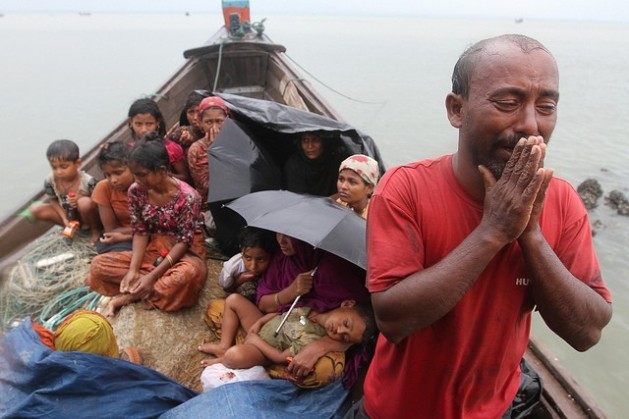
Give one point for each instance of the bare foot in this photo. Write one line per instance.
(213, 349)
(115, 304)
(211, 361)
(94, 235)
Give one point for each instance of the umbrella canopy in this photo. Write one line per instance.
(238, 165)
(316, 220)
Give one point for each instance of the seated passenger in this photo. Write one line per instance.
(241, 273)
(212, 114)
(358, 176)
(349, 324)
(110, 195)
(290, 275)
(165, 216)
(145, 117)
(188, 130)
(313, 168)
(68, 190)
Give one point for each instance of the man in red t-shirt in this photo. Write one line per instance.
(463, 247)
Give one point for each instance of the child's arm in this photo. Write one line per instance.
(57, 208)
(304, 361)
(113, 233)
(270, 352)
(255, 328)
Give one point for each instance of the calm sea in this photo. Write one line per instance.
(71, 76)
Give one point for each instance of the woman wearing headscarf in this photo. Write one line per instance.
(357, 178)
(323, 281)
(313, 168)
(86, 331)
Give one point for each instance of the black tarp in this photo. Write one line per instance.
(250, 151)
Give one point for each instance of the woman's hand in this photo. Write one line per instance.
(143, 287)
(128, 281)
(186, 137)
(302, 284)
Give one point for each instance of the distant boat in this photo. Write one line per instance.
(519, 20)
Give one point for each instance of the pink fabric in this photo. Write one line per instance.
(175, 152)
(212, 102)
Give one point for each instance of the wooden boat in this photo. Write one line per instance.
(256, 67)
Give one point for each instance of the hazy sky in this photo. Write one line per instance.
(600, 10)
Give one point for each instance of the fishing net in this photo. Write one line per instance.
(47, 282)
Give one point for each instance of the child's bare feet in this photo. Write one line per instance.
(211, 361)
(94, 235)
(115, 304)
(213, 349)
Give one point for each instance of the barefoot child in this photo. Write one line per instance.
(164, 218)
(240, 275)
(67, 186)
(110, 195)
(350, 323)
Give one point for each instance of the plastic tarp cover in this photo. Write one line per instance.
(266, 399)
(38, 382)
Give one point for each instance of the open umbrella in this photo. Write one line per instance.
(316, 220)
(238, 165)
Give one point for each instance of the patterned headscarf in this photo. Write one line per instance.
(212, 102)
(364, 166)
(87, 331)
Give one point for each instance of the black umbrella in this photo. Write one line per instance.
(316, 220)
(238, 165)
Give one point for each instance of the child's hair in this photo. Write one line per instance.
(113, 151)
(257, 237)
(63, 150)
(150, 152)
(149, 106)
(366, 313)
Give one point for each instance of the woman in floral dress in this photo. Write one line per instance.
(165, 220)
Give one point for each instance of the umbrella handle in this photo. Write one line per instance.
(292, 306)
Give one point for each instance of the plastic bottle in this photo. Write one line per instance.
(73, 218)
(162, 254)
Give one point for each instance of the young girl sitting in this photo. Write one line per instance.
(145, 117)
(189, 130)
(212, 114)
(350, 323)
(110, 194)
(67, 187)
(164, 217)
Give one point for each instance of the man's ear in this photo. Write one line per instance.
(454, 107)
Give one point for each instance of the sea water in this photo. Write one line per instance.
(73, 76)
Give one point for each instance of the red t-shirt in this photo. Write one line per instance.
(466, 364)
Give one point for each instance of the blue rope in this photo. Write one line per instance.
(71, 301)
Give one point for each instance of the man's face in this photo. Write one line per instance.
(512, 95)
